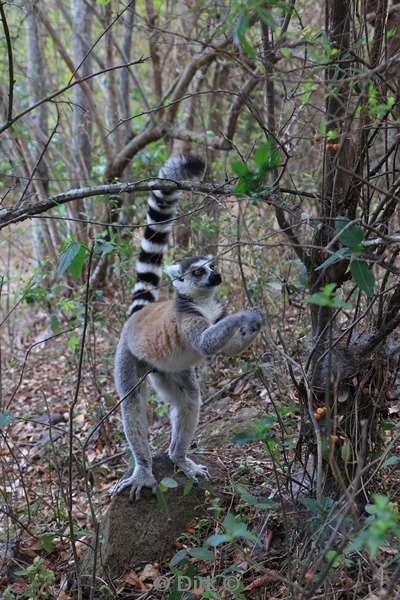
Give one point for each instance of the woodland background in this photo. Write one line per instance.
(294, 106)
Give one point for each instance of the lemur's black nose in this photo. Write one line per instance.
(214, 279)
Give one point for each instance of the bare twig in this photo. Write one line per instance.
(10, 61)
(71, 429)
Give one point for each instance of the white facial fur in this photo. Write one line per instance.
(173, 271)
(187, 284)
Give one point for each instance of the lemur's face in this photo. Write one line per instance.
(195, 276)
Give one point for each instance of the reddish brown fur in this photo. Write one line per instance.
(157, 334)
(154, 330)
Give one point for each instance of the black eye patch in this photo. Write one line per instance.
(198, 272)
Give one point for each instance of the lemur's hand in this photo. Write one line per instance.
(249, 324)
(253, 320)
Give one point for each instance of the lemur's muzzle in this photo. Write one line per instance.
(214, 279)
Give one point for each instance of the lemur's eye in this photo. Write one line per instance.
(198, 272)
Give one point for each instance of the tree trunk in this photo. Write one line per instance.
(37, 90)
(81, 117)
(344, 397)
(217, 117)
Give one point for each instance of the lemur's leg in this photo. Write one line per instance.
(225, 335)
(181, 391)
(128, 371)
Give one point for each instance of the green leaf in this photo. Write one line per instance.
(216, 540)
(363, 277)
(334, 258)
(393, 460)
(326, 297)
(288, 410)
(349, 235)
(73, 342)
(46, 543)
(201, 553)
(76, 265)
(68, 256)
(331, 136)
(5, 419)
(187, 488)
(261, 155)
(161, 499)
(54, 324)
(72, 259)
(345, 452)
(239, 168)
(251, 182)
(244, 437)
(178, 558)
(168, 483)
(305, 98)
(265, 16)
(266, 157)
(311, 504)
(252, 500)
(104, 247)
(239, 35)
(237, 529)
(333, 557)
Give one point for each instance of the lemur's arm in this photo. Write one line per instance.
(230, 335)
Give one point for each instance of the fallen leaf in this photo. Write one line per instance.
(269, 577)
(347, 582)
(134, 580)
(63, 596)
(149, 572)
(308, 575)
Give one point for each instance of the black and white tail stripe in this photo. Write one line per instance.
(160, 211)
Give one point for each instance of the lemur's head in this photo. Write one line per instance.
(194, 277)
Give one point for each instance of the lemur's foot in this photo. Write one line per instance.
(190, 468)
(140, 478)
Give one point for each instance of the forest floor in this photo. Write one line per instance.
(40, 385)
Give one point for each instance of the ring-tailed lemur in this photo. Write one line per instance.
(172, 336)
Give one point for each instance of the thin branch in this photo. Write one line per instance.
(32, 208)
(237, 106)
(268, 62)
(39, 160)
(74, 402)
(109, 26)
(180, 133)
(10, 62)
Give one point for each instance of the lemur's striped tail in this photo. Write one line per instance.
(161, 208)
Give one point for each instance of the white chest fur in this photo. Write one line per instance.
(210, 308)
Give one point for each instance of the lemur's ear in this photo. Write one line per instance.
(173, 271)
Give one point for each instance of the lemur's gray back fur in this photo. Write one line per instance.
(161, 209)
